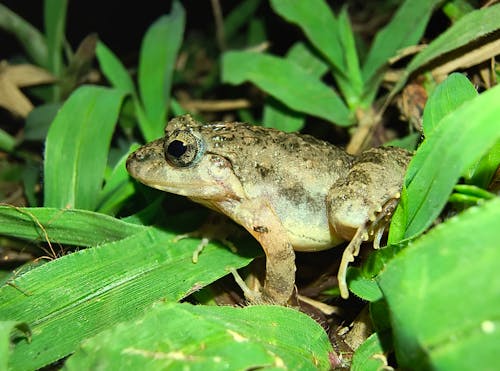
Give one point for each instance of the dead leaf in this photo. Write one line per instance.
(15, 77)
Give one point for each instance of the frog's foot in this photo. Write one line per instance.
(374, 229)
(350, 252)
(254, 297)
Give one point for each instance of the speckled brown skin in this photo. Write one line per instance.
(290, 191)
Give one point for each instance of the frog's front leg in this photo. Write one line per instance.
(262, 222)
(360, 205)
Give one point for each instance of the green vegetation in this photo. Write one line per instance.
(102, 273)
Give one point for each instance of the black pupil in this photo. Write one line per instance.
(176, 148)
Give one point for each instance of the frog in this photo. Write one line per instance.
(290, 191)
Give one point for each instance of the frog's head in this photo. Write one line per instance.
(182, 163)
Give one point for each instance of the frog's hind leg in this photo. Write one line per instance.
(361, 204)
(373, 229)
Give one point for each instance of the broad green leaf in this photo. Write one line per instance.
(55, 21)
(330, 36)
(444, 294)
(317, 21)
(77, 147)
(77, 296)
(240, 15)
(7, 141)
(363, 287)
(156, 66)
(65, 226)
(276, 114)
(405, 29)
(447, 97)
(470, 27)
(114, 70)
(117, 188)
(181, 336)
(287, 82)
(29, 37)
(7, 328)
(458, 141)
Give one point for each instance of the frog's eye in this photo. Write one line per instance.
(183, 149)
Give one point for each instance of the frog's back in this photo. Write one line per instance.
(293, 172)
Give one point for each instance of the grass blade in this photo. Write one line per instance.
(77, 296)
(114, 70)
(55, 21)
(64, 226)
(156, 66)
(467, 29)
(29, 37)
(77, 147)
(405, 28)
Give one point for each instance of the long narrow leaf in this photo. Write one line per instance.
(467, 29)
(64, 226)
(77, 147)
(114, 70)
(77, 296)
(29, 37)
(156, 65)
(405, 29)
(55, 22)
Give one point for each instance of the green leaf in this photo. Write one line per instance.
(287, 82)
(7, 328)
(447, 97)
(319, 24)
(77, 296)
(482, 172)
(117, 188)
(332, 38)
(156, 66)
(370, 355)
(352, 84)
(114, 70)
(7, 141)
(444, 296)
(459, 141)
(363, 287)
(29, 37)
(179, 336)
(77, 147)
(55, 21)
(242, 13)
(405, 29)
(276, 114)
(65, 226)
(467, 29)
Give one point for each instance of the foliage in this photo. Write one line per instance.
(433, 297)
